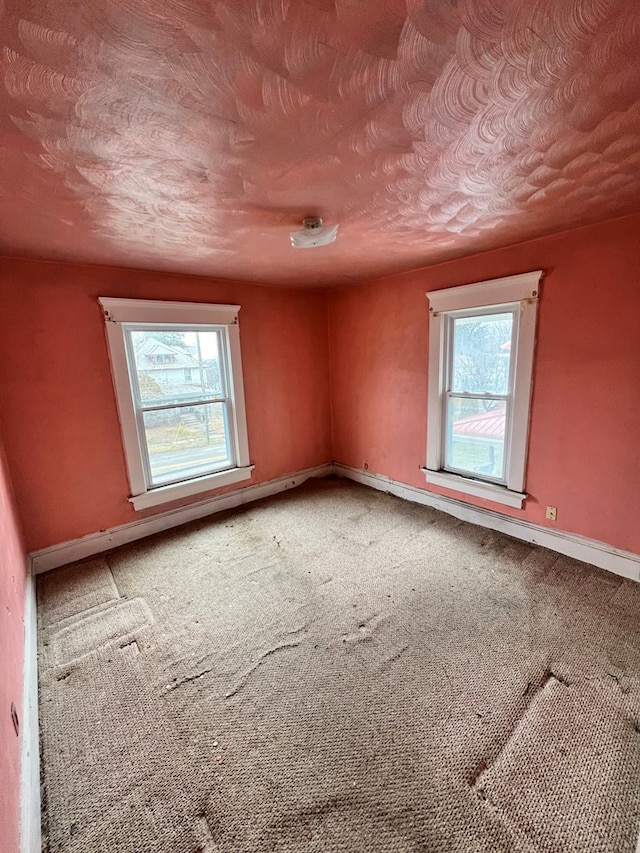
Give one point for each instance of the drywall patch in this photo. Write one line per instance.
(572, 762)
(117, 623)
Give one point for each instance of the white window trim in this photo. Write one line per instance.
(124, 311)
(523, 290)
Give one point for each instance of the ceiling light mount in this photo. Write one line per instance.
(313, 234)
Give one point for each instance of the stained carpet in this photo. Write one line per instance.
(337, 670)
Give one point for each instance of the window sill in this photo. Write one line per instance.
(488, 491)
(176, 491)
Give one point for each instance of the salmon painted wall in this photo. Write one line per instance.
(585, 417)
(58, 409)
(12, 575)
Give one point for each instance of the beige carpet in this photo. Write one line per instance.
(337, 670)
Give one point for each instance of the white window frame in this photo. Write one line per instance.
(522, 293)
(120, 313)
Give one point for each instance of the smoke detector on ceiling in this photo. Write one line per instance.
(313, 234)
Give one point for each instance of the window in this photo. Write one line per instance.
(178, 379)
(481, 341)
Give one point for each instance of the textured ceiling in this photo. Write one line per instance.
(192, 135)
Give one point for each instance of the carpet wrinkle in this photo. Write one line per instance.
(596, 589)
(228, 667)
(530, 694)
(394, 656)
(65, 592)
(539, 562)
(206, 844)
(512, 828)
(244, 676)
(365, 630)
(116, 728)
(110, 625)
(264, 658)
(349, 747)
(542, 772)
(48, 631)
(250, 572)
(627, 598)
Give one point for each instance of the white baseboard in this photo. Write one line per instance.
(95, 543)
(599, 554)
(30, 841)
(623, 563)
(591, 551)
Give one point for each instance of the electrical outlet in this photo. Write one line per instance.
(552, 513)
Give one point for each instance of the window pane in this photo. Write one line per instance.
(187, 442)
(174, 366)
(475, 436)
(481, 353)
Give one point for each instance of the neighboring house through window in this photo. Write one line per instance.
(178, 379)
(481, 342)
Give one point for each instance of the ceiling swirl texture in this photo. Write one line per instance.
(193, 135)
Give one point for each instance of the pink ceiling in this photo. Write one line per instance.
(192, 135)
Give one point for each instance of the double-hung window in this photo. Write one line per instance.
(178, 379)
(481, 343)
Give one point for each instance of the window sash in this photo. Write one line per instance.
(449, 319)
(451, 316)
(200, 401)
(119, 313)
(519, 293)
(141, 407)
(226, 464)
(446, 432)
(223, 343)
